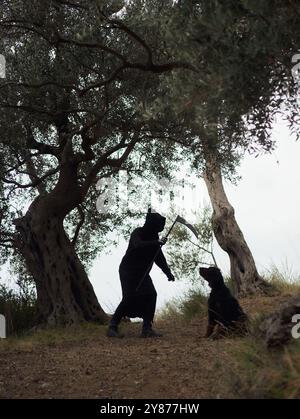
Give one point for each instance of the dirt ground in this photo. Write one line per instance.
(181, 364)
(178, 365)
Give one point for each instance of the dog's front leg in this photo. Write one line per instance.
(218, 333)
(209, 330)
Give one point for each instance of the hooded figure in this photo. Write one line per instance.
(139, 294)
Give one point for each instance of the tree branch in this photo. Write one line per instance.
(70, 4)
(105, 161)
(130, 146)
(204, 250)
(28, 109)
(20, 164)
(104, 82)
(42, 148)
(21, 24)
(118, 24)
(39, 85)
(35, 182)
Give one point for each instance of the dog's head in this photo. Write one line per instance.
(213, 276)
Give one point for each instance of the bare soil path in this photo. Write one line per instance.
(178, 365)
(87, 364)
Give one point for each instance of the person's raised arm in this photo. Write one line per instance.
(161, 262)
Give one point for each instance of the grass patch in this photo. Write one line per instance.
(192, 304)
(19, 308)
(284, 280)
(53, 335)
(261, 374)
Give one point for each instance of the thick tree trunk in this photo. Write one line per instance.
(230, 237)
(65, 295)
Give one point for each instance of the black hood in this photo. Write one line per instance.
(154, 222)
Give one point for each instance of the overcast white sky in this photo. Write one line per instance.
(267, 203)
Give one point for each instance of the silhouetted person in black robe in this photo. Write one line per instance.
(136, 264)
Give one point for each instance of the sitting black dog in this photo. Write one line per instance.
(223, 309)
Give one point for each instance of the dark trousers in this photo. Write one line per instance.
(136, 306)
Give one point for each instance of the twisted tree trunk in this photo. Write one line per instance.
(64, 293)
(229, 235)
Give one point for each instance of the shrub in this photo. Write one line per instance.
(192, 304)
(284, 280)
(19, 308)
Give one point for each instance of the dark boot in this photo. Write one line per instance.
(113, 332)
(148, 332)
